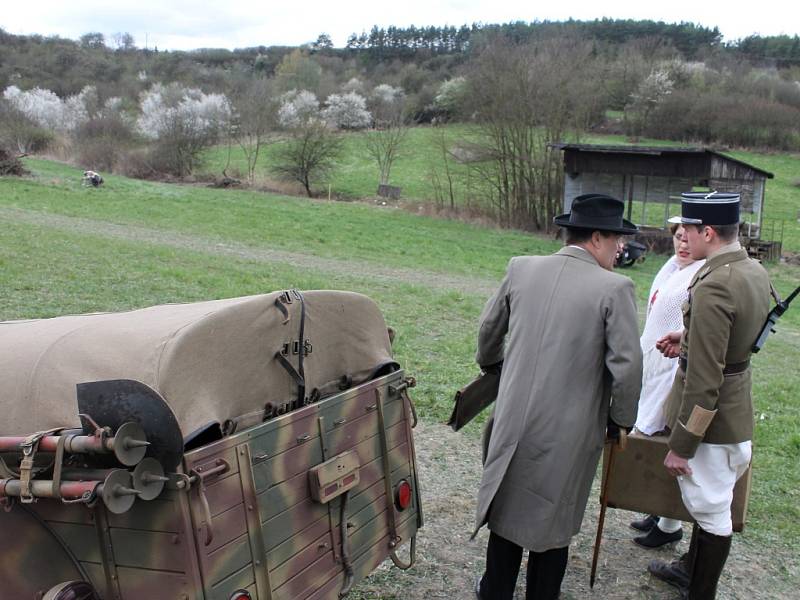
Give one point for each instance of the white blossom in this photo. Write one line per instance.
(347, 111)
(297, 108)
(165, 107)
(47, 110)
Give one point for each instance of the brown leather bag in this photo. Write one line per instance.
(475, 396)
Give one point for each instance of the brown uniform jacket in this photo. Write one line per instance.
(728, 303)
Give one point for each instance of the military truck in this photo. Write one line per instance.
(249, 448)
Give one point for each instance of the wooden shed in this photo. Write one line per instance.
(650, 179)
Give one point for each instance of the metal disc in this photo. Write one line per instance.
(128, 453)
(116, 491)
(148, 479)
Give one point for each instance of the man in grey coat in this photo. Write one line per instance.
(566, 329)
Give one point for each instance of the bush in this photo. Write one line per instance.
(347, 111)
(182, 122)
(102, 143)
(10, 164)
(731, 119)
(18, 131)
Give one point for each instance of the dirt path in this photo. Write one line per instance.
(447, 561)
(341, 267)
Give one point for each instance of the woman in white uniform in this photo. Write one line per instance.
(664, 314)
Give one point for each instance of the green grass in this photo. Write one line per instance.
(356, 176)
(328, 229)
(47, 272)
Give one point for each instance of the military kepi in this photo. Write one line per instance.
(710, 208)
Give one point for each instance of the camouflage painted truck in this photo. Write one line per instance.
(256, 447)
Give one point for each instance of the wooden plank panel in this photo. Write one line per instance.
(240, 580)
(271, 441)
(228, 559)
(308, 580)
(137, 583)
(287, 464)
(221, 495)
(148, 549)
(155, 515)
(301, 559)
(283, 526)
(373, 556)
(81, 539)
(292, 491)
(284, 551)
(97, 576)
(227, 526)
(54, 510)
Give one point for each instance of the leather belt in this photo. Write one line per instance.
(731, 369)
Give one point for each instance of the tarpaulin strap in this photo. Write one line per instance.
(301, 391)
(29, 447)
(279, 302)
(387, 470)
(58, 463)
(298, 379)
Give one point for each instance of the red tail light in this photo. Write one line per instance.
(402, 495)
(240, 595)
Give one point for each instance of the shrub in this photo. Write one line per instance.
(297, 108)
(347, 111)
(182, 122)
(18, 131)
(10, 164)
(101, 143)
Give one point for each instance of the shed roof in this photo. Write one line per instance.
(655, 151)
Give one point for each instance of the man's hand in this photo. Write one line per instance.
(670, 344)
(677, 465)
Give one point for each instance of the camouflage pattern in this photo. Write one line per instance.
(246, 521)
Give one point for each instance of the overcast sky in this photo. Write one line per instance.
(184, 25)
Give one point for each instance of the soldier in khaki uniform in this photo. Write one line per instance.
(710, 409)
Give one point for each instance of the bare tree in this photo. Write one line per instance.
(526, 97)
(309, 154)
(255, 109)
(385, 143)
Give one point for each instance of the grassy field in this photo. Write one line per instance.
(357, 177)
(59, 254)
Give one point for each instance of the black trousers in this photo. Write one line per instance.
(503, 559)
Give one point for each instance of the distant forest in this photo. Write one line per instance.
(107, 103)
(65, 66)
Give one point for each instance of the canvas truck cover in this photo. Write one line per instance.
(211, 361)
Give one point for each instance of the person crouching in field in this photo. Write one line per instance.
(669, 291)
(92, 178)
(566, 328)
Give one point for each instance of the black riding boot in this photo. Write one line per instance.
(712, 552)
(678, 572)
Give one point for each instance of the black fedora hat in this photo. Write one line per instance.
(597, 211)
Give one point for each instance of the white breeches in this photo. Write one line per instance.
(708, 491)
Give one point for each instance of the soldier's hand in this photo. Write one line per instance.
(677, 465)
(670, 344)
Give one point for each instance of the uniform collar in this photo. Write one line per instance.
(724, 256)
(732, 247)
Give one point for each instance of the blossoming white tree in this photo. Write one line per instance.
(347, 111)
(297, 107)
(182, 122)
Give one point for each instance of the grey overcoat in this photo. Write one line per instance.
(570, 332)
